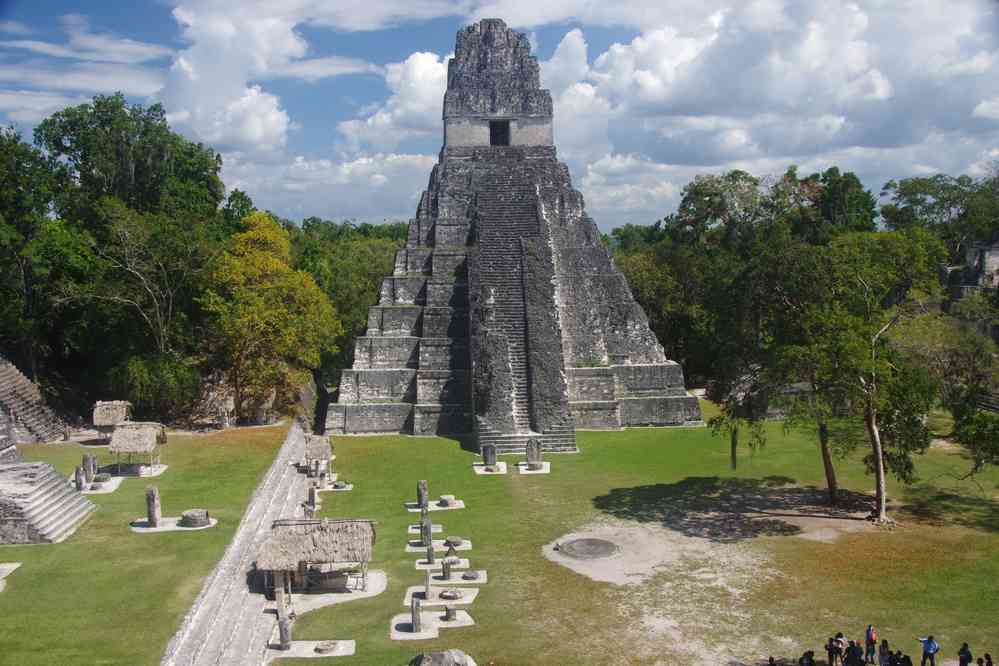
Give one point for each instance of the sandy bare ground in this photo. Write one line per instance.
(687, 565)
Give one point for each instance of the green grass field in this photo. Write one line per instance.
(107, 594)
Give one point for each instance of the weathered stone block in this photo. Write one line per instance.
(386, 352)
(599, 415)
(154, 512)
(389, 385)
(403, 291)
(441, 420)
(443, 354)
(445, 322)
(671, 410)
(394, 320)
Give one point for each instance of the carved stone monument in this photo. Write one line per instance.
(422, 494)
(79, 480)
(430, 553)
(489, 456)
(414, 613)
(505, 316)
(154, 512)
(89, 467)
(534, 455)
(426, 532)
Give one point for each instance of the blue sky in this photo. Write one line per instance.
(333, 108)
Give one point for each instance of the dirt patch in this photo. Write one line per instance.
(681, 598)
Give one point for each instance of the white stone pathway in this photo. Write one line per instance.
(228, 624)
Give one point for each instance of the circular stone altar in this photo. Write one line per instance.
(588, 549)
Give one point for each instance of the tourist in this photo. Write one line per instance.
(807, 659)
(905, 661)
(884, 653)
(854, 654)
(870, 644)
(930, 649)
(964, 657)
(895, 658)
(988, 659)
(832, 650)
(980, 662)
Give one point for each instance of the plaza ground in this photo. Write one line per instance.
(749, 562)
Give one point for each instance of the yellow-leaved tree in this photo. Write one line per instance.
(270, 323)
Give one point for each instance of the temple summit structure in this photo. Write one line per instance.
(505, 316)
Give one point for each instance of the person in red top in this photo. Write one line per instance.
(870, 645)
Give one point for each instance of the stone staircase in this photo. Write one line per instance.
(507, 213)
(33, 420)
(37, 503)
(506, 204)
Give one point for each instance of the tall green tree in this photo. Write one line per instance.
(270, 323)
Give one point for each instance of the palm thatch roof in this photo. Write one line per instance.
(316, 541)
(111, 412)
(137, 437)
(317, 447)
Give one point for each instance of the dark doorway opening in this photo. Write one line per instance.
(499, 132)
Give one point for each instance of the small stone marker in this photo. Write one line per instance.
(153, 512)
(470, 575)
(446, 570)
(79, 479)
(489, 456)
(450, 614)
(430, 553)
(284, 633)
(326, 647)
(414, 612)
(195, 518)
(534, 455)
(422, 493)
(451, 552)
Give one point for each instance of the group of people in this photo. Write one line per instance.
(841, 651)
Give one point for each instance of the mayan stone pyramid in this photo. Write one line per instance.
(505, 317)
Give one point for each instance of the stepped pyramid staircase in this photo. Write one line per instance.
(507, 215)
(21, 399)
(38, 505)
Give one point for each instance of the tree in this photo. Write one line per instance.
(128, 152)
(872, 283)
(959, 210)
(270, 323)
(30, 182)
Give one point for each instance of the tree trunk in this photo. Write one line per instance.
(874, 434)
(733, 439)
(827, 462)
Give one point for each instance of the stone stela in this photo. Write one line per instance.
(505, 317)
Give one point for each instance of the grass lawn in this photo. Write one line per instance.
(938, 571)
(109, 596)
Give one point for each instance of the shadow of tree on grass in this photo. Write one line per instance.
(728, 510)
(939, 506)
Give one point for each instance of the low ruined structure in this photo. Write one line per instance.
(23, 412)
(302, 555)
(318, 455)
(505, 316)
(8, 440)
(138, 438)
(37, 505)
(110, 413)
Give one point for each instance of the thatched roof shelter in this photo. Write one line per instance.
(109, 413)
(317, 447)
(137, 437)
(316, 541)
